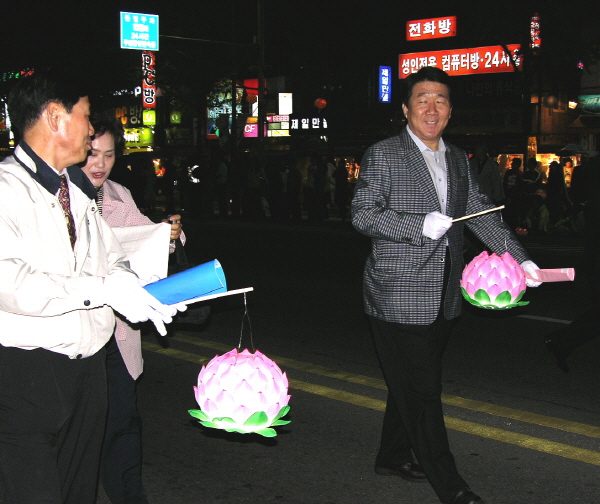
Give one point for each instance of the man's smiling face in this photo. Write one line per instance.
(428, 111)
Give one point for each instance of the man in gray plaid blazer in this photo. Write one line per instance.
(410, 188)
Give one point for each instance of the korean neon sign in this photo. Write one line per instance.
(424, 29)
(385, 84)
(535, 33)
(477, 60)
(148, 80)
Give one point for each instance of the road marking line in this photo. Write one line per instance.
(545, 319)
(515, 438)
(522, 440)
(480, 406)
(523, 416)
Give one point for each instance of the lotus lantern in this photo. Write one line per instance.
(242, 392)
(493, 282)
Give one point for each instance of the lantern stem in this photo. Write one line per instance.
(244, 317)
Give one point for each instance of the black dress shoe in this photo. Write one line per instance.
(411, 471)
(466, 497)
(561, 356)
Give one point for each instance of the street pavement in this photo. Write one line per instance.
(521, 430)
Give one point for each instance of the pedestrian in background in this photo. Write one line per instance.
(487, 174)
(342, 189)
(513, 191)
(563, 342)
(409, 189)
(63, 273)
(121, 462)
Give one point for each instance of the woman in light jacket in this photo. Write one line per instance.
(121, 465)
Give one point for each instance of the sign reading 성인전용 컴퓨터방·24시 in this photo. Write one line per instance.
(139, 31)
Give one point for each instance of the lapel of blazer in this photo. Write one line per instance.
(453, 176)
(416, 164)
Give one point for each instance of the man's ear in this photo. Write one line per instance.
(53, 114)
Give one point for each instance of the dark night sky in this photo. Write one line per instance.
(323, 38)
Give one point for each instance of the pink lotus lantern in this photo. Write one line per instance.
(242, 392)
(493, 282)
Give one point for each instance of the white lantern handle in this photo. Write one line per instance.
(478, 213)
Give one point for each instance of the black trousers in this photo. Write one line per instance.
(413, 423)
(52, 412)
(121, 464)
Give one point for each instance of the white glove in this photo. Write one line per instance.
(436, 224)
(125, 295)
(529, 267)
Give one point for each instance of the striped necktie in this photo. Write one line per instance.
(65, 203)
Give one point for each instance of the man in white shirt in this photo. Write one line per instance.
(62, 272)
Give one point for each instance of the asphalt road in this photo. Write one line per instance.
(521, 430)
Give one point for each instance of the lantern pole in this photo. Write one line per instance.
(234, 136)
(261, 78)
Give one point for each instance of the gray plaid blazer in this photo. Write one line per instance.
(403, 274)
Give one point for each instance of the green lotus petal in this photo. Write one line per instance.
(209, 424)
(267, 432)
(469, 298)
(522, 303)
(199, 414)
(282, 412)
(224, 420)
(280, 422)
(482, 297)
(235, 429)
(520, 296)
(503, 299)
(258, 419)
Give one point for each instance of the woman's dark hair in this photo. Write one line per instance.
(105, 121)
(31, 95)
(432, 74)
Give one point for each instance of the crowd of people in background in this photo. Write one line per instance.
(216, 184)
(316, 187)
(535, 200)
(548, 201)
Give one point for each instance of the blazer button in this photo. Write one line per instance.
(87, 302)
(443, 259)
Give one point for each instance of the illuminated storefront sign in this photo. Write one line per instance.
(219, 108)
(385, 84)
(149, 117)
(477, 60)
(7, 76)
(308, 125)
(589, 104)
(251, 130)
(285, 103)
(424, 29)
(148, 80)
(277, 126)
(139, 31)
(130, 116)
(139, 137)
(535, 34)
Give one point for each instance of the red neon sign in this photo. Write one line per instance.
(148, 79)
(477, 60)
(424, 29)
